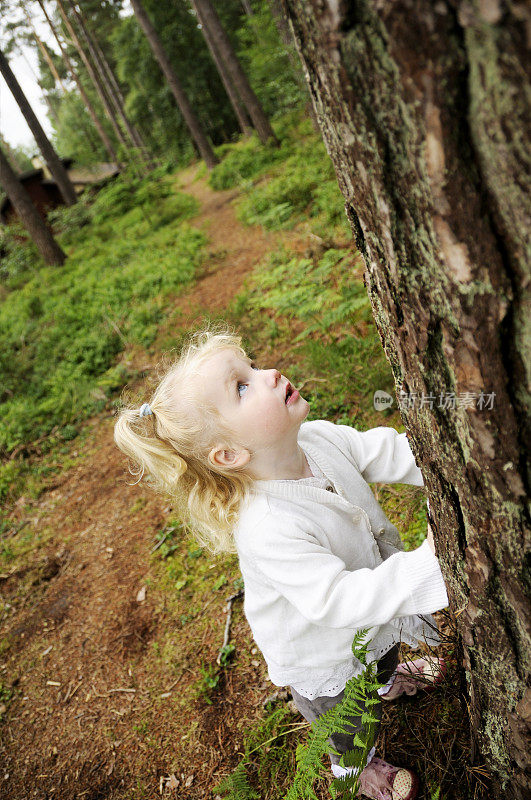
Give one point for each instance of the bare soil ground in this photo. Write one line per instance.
(103, 656)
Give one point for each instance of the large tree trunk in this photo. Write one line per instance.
(422, 108)
(191, 120)
(53, 161)
(232, 94)
(207, 13)
(102, 133)
(29, 216)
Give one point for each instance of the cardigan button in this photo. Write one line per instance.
(330, 488)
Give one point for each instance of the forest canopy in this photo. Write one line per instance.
(273, 72)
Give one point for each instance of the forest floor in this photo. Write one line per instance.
(108, 658)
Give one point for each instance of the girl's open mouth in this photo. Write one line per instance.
(292, 394)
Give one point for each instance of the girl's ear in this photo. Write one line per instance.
(219, 456)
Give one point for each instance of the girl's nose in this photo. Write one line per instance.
(273, 376)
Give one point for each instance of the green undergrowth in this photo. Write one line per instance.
(245, 160)
(285, 185)
(265, 760)
(324, 292)
(29, 477)
(248, 159)
(62, 328)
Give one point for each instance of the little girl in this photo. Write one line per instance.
(319, 558)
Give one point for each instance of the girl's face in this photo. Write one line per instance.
(260, 406)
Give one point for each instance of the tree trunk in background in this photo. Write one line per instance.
(286, 38)
(206, 11)
(102, 133)
(102, 74)
(241, 115)
(111, 77)
(51, 110)
(422, 110)
(94, 78)
(194, 126)
(57, 169)
(43, 49)
(13, 158)
(247, 7)
(29, 216)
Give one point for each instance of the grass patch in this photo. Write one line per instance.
(60, 331)
(303, 185)
(30, 477)
(243, 161)
(300, 179)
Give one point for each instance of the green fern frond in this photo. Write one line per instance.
(360, 695)
(237, 785)
(358, 644)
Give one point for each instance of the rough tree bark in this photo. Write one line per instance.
(206, 11)
(190, 118)
(29, 216)
(422, 108)
(53, 161)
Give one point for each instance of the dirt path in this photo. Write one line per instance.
(233, 249)
(97, 710)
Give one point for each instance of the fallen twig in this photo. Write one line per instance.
(70, 693)
(113, 324)
(159, 543)
(295, 727)
(226, 635)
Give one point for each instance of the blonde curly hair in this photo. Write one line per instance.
(171, 446)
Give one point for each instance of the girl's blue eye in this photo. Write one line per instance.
(241, 387)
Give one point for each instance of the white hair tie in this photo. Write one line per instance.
(145, 410)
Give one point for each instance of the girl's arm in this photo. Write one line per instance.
(382, 455)
(318, 584)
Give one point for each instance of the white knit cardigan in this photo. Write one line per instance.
(319, 565)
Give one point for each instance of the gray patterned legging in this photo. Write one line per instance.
(311, 709)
